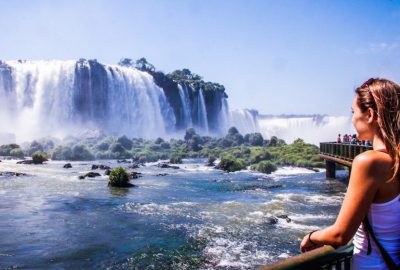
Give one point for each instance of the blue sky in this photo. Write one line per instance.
(293, 57)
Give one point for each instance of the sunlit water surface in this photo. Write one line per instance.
(195, 217)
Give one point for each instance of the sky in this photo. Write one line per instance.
(278, 57)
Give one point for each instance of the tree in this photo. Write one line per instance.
(233, 131)
(143, 65)
(190, 132)
(255, 139)
(125, 142)
(126, 62)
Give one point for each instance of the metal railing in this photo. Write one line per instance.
(342, 150)
(326, 257)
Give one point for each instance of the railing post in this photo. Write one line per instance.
(330, 169)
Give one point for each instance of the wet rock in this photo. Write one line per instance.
(101, 167)
(254, 187)
(134, 166)
(134, 175)
(285, 217)
(107, 172)
(222, 181)
(12, 174)
(126, 185)
(89, 174)
(67, 166)
(28, 161)
(162, 174)
(167, 166)
(271, 220)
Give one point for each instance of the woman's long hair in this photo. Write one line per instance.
(383, 96)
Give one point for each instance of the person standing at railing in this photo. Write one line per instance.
(371, 208)
(338, 140)
(345, 138)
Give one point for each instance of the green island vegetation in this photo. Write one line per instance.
(235, 151)
(119, 178)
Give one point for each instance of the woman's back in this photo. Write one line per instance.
(385, 222)
(384, 217)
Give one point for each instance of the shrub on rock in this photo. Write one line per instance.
(39, 157)
(119, 178)
(175, 159)
(265, 166)
(231, 164)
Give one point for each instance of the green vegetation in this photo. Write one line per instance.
(39, 157)
(264, 166)
(119, 178)
(236, 151)
(231, 164)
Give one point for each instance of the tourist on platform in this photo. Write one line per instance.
(371, 208)
(345, 138)
(338, 140)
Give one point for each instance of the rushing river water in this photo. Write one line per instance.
(195, 217)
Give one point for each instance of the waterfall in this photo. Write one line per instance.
(312, 129)
(58, 98)
(202, 112)
(244, 120)
(184, 95)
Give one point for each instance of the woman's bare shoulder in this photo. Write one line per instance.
(376, 161)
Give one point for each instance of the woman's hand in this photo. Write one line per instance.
(306, 244)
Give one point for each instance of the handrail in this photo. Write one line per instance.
(343, 151)
(326, 257)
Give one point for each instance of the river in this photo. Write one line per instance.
(195, 217)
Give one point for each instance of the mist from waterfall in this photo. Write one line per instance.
(312, 129)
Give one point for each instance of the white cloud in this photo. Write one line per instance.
(382, 47)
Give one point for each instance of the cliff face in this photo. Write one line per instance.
(205, 107)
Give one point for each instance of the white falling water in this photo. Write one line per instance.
(202, 113)
(42, 102)
(137, 104)
(244, 120)
(183, 94)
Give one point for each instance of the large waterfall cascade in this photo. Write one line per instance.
(57, 98)
(60, 98)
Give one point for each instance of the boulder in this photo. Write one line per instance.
(101, 167)
(285, 217)
(89, 174)
(67, 166)
(28, 161)
(166, 165)
(107, 172)
(12, 174)
(126, 185)
(134, 166)
(270, 220)
(134, 175)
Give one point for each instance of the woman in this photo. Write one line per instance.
(374, 188)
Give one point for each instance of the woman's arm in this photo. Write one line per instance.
(369, 172)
